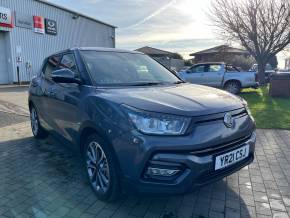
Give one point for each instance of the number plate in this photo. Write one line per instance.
(231, 157)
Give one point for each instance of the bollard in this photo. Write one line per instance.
(18, 76)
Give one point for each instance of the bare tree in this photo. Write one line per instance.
(261, 26)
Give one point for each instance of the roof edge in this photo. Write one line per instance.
(74, 12)
(215, 47)
(155, 49)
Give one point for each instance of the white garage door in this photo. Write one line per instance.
(3, 60)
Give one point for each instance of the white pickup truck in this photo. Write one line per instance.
(219, 75)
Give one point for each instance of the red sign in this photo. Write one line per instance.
(38, 23)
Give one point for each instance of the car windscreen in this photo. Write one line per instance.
(120, 68)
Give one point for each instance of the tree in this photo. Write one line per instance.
(261, 26)
(245, 63)
(273, 62)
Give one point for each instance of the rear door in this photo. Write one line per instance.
(196, 74)
(214, 75)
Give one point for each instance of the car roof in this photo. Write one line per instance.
(103, 49)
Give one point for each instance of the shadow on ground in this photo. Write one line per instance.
(44, 179)
(14, 89)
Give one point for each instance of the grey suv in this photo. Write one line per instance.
(137, 125)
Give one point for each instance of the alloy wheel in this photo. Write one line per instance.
(98, 167)
(232, 88)
(34, 121)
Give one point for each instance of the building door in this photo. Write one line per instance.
(4, 79)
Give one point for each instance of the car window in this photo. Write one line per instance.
(198, 69)
(68, 61)
(51, 65)
(214, 68)
(122, 68)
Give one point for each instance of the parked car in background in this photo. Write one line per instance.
(137, 125)
(219, 75)
(268, 71)
(283, 71)
(185, 68)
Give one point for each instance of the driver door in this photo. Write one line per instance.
(214, 75)
(64, 101)
(196, 74)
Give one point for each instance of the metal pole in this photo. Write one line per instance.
(18, 76)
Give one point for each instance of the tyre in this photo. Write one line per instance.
(37, 130)
(233, 87)
(100, 164)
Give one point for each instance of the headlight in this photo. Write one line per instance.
(156, 123)
(248, 109)
(245, 103)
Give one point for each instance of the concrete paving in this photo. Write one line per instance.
(13, 99)
(42, 178)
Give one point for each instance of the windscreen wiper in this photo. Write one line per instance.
(146, 84)
(179, 82)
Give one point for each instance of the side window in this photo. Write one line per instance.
(51, 65)
(68, 61)
(198, 69)
(214, 68)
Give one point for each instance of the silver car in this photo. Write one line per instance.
(220, 75)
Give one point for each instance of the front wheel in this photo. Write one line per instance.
(233, 87)
(100, 165)
(37, 130)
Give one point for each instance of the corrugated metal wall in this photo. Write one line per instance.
(71, 32)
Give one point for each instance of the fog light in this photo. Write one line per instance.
(151, 171)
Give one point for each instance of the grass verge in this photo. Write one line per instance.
(269, 113)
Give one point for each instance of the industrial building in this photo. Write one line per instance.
(169, 59)
(30, 30)
(222, 53)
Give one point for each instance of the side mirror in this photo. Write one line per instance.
(64, 76)
(188, 71)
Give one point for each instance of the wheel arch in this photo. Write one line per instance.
(232, 80)
(88, 129)
(84, 133)
(30, 104)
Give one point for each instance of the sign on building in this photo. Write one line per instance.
(6, 18)
(50, 27)
(23, 20)
(38, 24)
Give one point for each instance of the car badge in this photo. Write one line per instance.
(228, 120)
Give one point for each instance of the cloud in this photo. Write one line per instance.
(184, 47)
(150, 16)
(174, 25)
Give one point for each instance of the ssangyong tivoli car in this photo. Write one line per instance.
(138, 126)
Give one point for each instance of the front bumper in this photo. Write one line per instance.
(196, 169)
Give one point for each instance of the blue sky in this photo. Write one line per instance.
(176, 25)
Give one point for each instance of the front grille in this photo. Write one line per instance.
(222, 147)
(220, 116)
